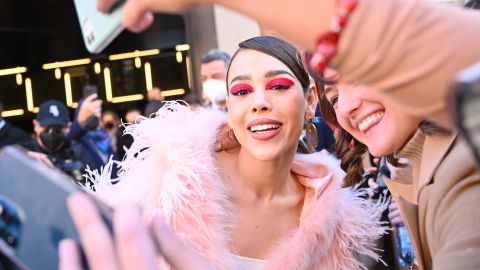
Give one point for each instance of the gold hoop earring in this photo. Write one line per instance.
(311, 134)
(228, 138)
(230, 134)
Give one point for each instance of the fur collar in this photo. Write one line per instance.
(170, 169)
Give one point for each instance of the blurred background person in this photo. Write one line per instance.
(86, 130)
(193, 101)
(213, 73)
(131, 115)
(126, 140)
(110, 122)
(152, 107)
(395, 247)
(10, 134)
(155, 94)
(51, 145)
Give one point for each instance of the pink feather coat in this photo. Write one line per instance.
(170, 170)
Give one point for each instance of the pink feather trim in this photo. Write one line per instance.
(170, 170)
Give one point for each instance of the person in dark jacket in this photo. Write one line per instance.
(51, 145)
(10, 134)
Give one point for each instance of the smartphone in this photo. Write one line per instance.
(466, 106)
(33, 211)
(89, 90)
(98, 29)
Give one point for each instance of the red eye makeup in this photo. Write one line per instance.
(279, 83)
(241, 89)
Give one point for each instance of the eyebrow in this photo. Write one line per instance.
(274, 73)
(327, 89)
(268, 74)
(240, 78)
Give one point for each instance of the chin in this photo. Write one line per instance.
(265, 156)
(380, 151)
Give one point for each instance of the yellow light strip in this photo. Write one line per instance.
(10, 71)
(189, 71)
(127, 98)
(19, 79)
(97, 68)
(179, 57)
(29, 94)
(148, 76)
(138, 62)
(108, 84)
(183, 47)
(68, 89)
(11, 113)
(173, 92)
(77, 62)
(134, 54)
(58, 74)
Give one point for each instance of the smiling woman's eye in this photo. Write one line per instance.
(279, 84)
(333, 100)
(241, 89)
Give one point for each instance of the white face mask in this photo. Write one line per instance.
(215, 90)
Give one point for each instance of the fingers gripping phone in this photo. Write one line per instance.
(33, 212)
(98, 29)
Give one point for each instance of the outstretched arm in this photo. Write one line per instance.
(301, 21)
(134, 245)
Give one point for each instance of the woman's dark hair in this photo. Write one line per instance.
(281, 50)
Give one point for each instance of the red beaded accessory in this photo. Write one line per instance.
(327, 43)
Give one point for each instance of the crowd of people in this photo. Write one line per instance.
(243, 178)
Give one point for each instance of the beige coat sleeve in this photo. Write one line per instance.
(410, 49)
(452, 215)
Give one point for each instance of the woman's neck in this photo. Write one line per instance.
(264, 180)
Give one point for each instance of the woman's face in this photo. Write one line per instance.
(266, 105)
(371, 117)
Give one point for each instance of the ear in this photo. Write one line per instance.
(311, 100)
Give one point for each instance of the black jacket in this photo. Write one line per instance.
(72, 159)
(12, 135)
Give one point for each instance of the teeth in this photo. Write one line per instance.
(264, 127)
(369, 121)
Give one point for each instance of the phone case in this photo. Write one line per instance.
(98, 30)
(34, 216)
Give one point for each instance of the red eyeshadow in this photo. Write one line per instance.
(240, 87)
(287, 83)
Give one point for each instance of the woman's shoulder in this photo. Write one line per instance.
(338, 215)
(317, 165)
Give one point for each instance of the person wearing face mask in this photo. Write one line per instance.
(213, 72)
(51, 145)
(110, 122)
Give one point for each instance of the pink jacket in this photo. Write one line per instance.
(170, 170)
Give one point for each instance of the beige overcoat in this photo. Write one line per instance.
(411, 50)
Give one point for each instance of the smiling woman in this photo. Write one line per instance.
(260, 205)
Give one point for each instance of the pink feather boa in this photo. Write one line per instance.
(170, 170)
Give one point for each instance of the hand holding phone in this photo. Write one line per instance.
(98, 29)
(34, 214)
